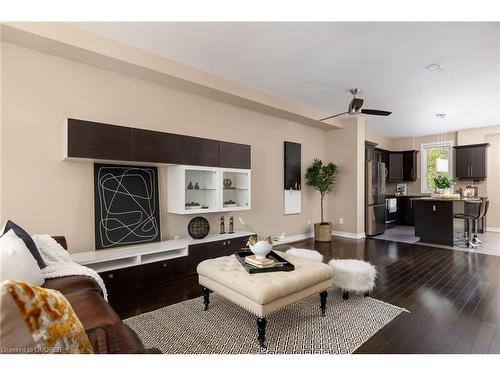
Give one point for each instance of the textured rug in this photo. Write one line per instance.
(226, 328)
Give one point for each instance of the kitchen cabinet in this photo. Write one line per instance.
(402, 166)
(395, 167)
(434, 220)
(471, 161)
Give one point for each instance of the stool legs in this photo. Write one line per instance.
(345, 294)
(261, 329)
(323, 296)
(206, 298)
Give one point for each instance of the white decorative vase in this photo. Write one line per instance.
(261, 249)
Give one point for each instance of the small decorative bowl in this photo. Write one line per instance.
(260, 249)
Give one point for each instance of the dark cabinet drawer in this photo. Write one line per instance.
(98, 141)
(209, 250)
(138, 276)
(165, 270)
(153, 146)
(234, 155)
(122, 279)
(199, 151)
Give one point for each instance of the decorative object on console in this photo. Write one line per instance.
(28, 241)
(227, 184)
(190, 186)
(231, 225)
(322, 178)
(222, 225)
(198, 227)
(196, 186)
(230, 203)
(39, 320)
(292, 195)
(193, 205)
(260, 245)
(126, 205)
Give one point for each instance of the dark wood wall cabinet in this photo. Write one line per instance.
(400, 165)
(471, 161)
(98, 141)
(122, 280)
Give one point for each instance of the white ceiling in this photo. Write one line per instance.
(315, 63)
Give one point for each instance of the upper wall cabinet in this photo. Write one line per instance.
(158, 147)
(97, 141)
(402, 166)
(91, 140)
(471, 161)
(234, 155)
(199, 151)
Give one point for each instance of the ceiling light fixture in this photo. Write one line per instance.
(434, 68)
(442, 116)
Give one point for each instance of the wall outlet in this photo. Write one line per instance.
(176, 237)
(308, 221)
(341, 220)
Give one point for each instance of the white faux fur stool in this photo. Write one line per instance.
(305, 253)
(352, 275)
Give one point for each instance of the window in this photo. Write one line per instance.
(430, 153)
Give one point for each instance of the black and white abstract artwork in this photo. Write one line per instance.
(126, 205)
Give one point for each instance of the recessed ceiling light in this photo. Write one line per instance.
(441, 116)
(434, 68)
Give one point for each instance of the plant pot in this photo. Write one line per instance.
(323, 232)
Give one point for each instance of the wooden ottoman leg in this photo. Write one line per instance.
(323, 296)
(367, 294)
(261, 328)
(206, 298)
(345, 294)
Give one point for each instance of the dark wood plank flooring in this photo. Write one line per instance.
(453, 296)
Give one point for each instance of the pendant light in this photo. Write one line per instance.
(441, 163)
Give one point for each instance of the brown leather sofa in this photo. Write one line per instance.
(107, 332)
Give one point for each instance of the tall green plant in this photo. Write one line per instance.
(322, 178)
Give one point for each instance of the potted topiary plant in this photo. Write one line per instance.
(443, 184)
(322, 178)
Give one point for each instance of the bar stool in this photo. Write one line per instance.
(471, 214)
(483, 210)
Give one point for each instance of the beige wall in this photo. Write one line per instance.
(493, 181)
(346, 148)
(48, 195)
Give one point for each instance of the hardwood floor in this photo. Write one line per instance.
(453, 296)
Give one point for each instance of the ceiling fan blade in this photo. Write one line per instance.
(329, 117)
(375, 112)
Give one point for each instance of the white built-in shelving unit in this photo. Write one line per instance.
(197, 190)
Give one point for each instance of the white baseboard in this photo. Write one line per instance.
(492, 229)
(294, 238)
(348, 234)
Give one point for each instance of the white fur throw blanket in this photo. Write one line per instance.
(305, 253)
(60, 264)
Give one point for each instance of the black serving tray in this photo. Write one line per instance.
(287, 267)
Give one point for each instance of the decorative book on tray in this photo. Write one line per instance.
(272, 263)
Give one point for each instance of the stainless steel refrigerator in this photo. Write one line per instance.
(375, 198)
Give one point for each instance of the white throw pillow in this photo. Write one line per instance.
(16, 261)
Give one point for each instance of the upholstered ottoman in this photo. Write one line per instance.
(264, 293)
(353, 275)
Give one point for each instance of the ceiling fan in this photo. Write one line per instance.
(355, 108)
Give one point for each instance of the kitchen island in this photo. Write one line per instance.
(434, 222)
